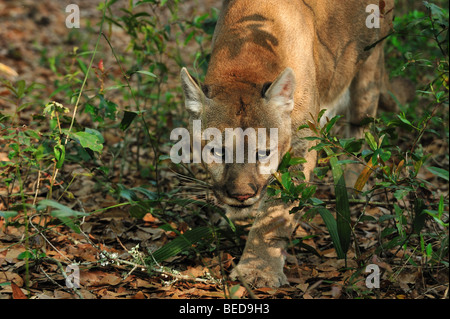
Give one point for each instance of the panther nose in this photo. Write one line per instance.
(242, 197)
(242, 191)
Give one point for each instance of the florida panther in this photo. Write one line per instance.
(273, 64)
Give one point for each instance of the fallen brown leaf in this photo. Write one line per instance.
(17, 292)
(6, 276)
(139, 295)
(98, 278)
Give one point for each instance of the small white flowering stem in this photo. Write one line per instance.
(135, 265)
(161, 270)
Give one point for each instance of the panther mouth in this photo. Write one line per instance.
(240, 206)
(235, 205)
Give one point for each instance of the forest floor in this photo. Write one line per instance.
(32, 30)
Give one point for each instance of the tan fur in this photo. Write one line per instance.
(314, 54)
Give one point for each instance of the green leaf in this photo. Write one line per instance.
(435, 215)
(436, 12)
(94, 111)
(89, 140)
(137, 211)
(61, 209)
(163, 157)
(150, 195)
(313, 138)
(108, 107)
(309, 248)
(8, 214)
(385, 217)
(321, 172)
(371, 141)
(441, 206)
(367, 218)
(181, 243)
(284, 164)
(429, 250)
(388, 231)
(351, 145)
(20, 88)
(308, 192)
(127, 119)
(233, 290)
(331, 225)
(302, 127)
(347, 161)
(147, 73)
(400, 219)
(96, 133)
(342, 204)
(82, 65)
(25, 255)
(321, 113)
(385, 155)
(400, 193)
(442, 173)
(404, 120)
(60, 154)
(286, 180)
(127, 193)
(419, 215)
(296, 161)
(331, 123)
(63, 213)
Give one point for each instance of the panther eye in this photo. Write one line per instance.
(265, 88)
(262, 154)
(218, 152)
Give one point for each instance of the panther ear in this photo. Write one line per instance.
(193, 95)
(281, 91)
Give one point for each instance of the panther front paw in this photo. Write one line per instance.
(259, 276)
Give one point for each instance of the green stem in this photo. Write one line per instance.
(133, 96)
(83, 84)
(27, 238)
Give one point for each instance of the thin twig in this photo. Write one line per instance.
(243, 282)
(64, 275)
(37, 187)
(45, 238)
(360, 201)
